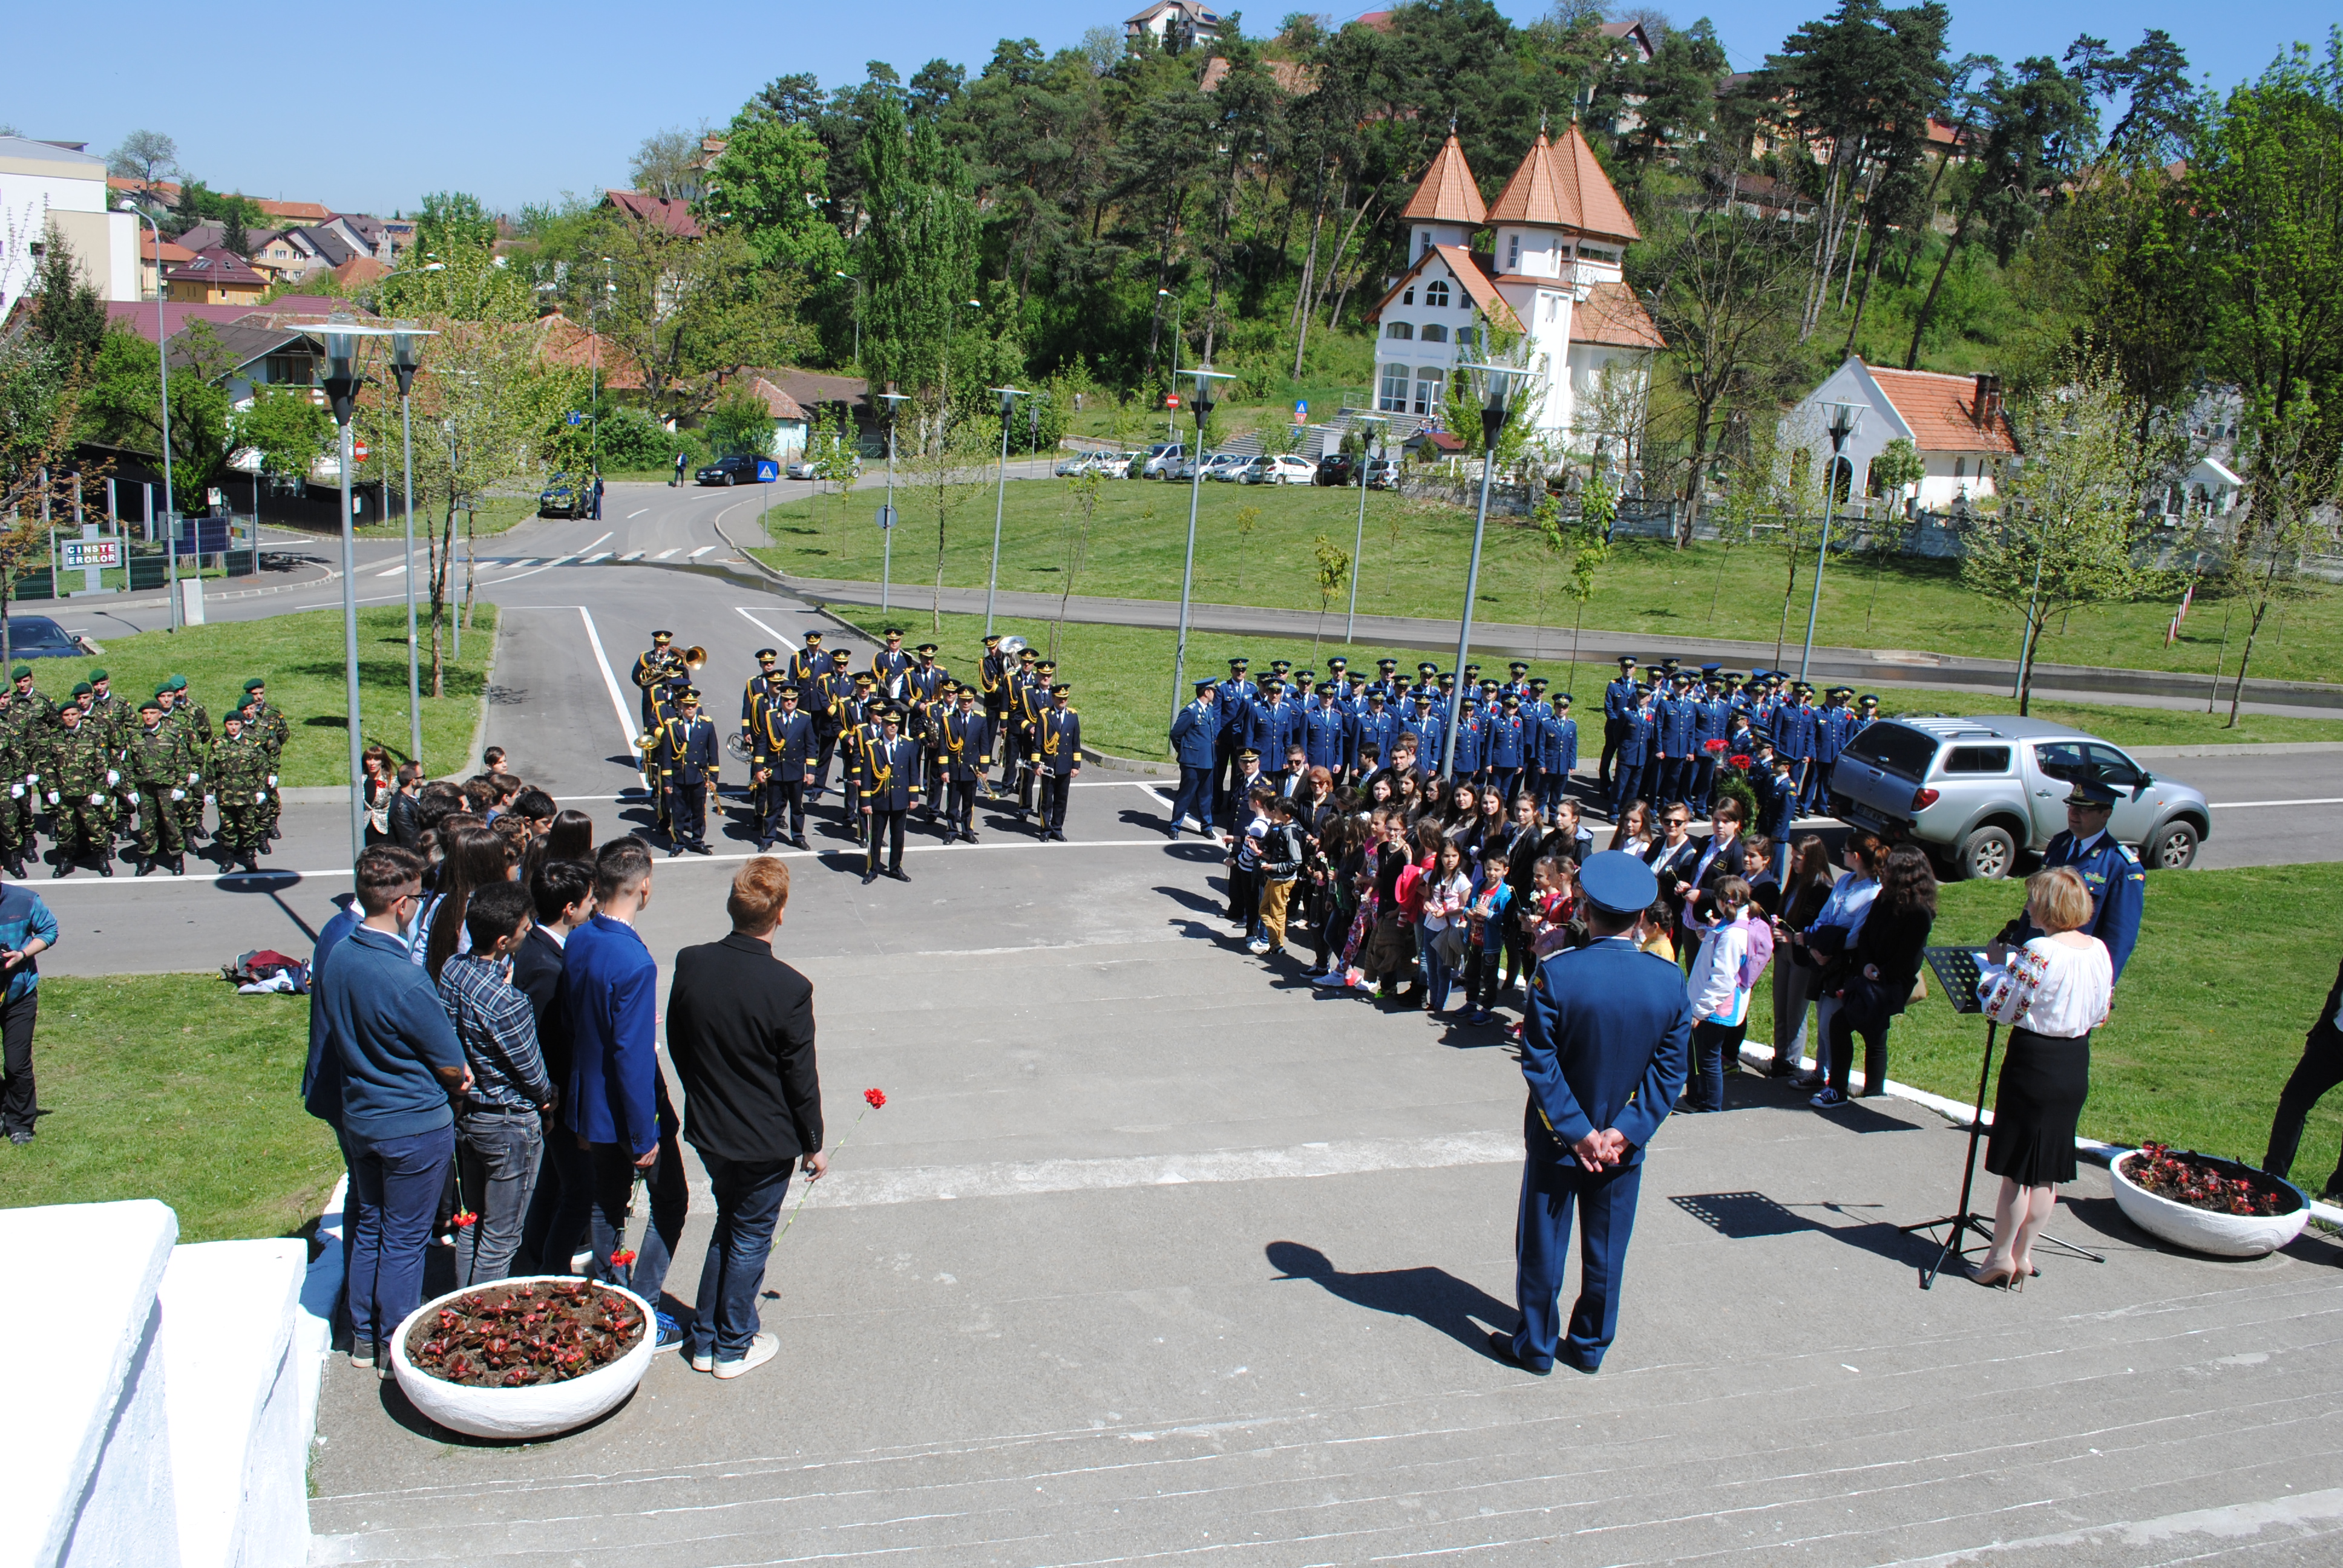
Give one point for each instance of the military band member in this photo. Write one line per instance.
(656, 667)
(81, 776)
(807, 664)
(928, 678)
(890, 787)
(1033, 699)
(760, 689)
(781, 757)
(687, 771)
(890, 664)
(832, 691)
(967, 737)
(1057, 758)
(244, 777)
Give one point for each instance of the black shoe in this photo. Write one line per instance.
(799, 842)
(900, 874)
(764, 845)
(145, 864)
(23, 1135)
(675, 852)
(700, 846)
(178, 866)
(252, 862)
(106, 864)
(869, 878)
(968, 838)
(1501, 1345)
(63, 867)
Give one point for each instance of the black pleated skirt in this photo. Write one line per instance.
(2044, 1082)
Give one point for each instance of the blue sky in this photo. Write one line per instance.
(520, 103)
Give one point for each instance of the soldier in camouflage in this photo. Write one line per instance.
(185, 717)
(21, 776)
(267, 723)
(84, 701)
(244, 775)
(30, 717)
(80, 776)
(156, 762)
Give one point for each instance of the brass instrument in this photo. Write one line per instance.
(694, 659)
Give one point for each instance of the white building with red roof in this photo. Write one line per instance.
(1551, 285)
(1956, 423)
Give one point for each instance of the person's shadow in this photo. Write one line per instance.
(1434, 1297)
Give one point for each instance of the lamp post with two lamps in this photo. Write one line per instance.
(1495, 385)
(1845, 420)
(1009, 395)
(1201, 406)
(1359, 542)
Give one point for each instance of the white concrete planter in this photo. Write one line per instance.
(520, 1412)
(2202, 1230)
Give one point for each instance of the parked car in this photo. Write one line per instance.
(1227, 466)
(735, 470)
(1382, 473)
(1336, 469)
(1272, 469)
(1072, 465)
(1163, 460)
(39, 637)
(1185, 471)
(1978, 791)
(564, 497)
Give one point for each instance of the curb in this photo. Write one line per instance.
(1130, 764)
(2273, 748)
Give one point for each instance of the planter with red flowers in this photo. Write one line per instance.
(523, 1358)
(2206, 1204)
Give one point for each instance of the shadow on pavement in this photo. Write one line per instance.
(1434, 1297)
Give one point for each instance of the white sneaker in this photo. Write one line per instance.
(1256, 947)
(704, 1363)
(761, 1349)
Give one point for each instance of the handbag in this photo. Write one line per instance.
(1864, 1004)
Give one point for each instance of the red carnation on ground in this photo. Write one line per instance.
(874, 1097)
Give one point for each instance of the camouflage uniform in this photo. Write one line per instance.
(78, 797)
(187, 717)
(13, 767)
(154, 764)
(266, 725)
(33, 717)
(241, 769)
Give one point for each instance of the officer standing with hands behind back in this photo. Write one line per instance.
(1603, 1050)
(2116, 880)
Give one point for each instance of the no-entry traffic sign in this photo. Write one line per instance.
(358, 451)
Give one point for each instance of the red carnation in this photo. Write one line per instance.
(1712, 745)
(464, 1219)
(1740, 760)
(621, 1257)
(874, 1097)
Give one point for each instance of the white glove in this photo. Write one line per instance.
(176, 794)
(112, 777)
(194, 778)
(32, 778)
(272, 781)
(16, 791)
(260, 797)
(98, 799)
(133, 797)
(207, 799)
(53, 797)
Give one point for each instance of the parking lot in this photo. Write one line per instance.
(1176, 462)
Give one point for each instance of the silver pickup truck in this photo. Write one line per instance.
(1977, 791)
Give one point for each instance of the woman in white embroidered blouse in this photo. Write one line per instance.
(2054, 992)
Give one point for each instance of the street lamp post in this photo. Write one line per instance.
(1171, 423)
(1201, 405)
(1846, 418)
(855, 279)
(887, 531)
(593, 402)
(1496, 385)
(1359, 542)
(1009, 395)
(406, 352)
(163, 359)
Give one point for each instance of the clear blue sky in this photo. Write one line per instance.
(520, 104)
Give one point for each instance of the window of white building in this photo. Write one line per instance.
(1398, 329)
(1513, 253)
(1395, 391)
(1428, 383)
(1433, 333)
(1435, 293)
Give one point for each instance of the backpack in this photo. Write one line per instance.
(1760, 953)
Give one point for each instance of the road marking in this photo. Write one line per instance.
(395, 572)
(632, 556)
(637, 512)
(558, 561)
(664, 554)
(700, 552)
(596, 556)
(2249, 805)
(768, 630)
(2283, 1520)
(610, 680)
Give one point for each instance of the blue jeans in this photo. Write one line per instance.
(1715, 1046)
(558, 1210)
(394, 1197)
(1439, 975)
(496, 1167)
(748, 1198)
(614, 1191)
(1195, 796)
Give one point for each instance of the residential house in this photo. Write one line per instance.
(173, 253)
(1956, 423)
(809, 392)
(669, 213)
(300, 310)
(215, 276)
(1553, 276)
(259, 350)
(62, 185)
(1171, 25)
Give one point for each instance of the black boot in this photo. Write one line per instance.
(105, 863)
(145, 864)
(178, 865)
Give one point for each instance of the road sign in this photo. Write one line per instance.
(769, 471)
(576, 417)
(1301, 411)
(1171, 400)
(84, 554)
(357, 451)
(886, 517)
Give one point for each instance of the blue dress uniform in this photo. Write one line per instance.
(654, 672)
(1326, 731)
(1278, 729)
(1604, 1049)
(927, 677)
(889, 665)
(1506, 747)
(1376, 726)
(1793, 737)
(1558, 755)
(1235, 697)
(965, 739)
(1057, 758)
(1777, 803)
(1676, 718)
(832, 691)
(1629, 763)
(1833, 728)
(890, 774)
(1195, 744)
(688, 763)
(2117, 882)
(783, 745)
(1619, 700)
(1712, 717)
(760, 688)
(807, 664)
(1470, 734)
(1429, 733)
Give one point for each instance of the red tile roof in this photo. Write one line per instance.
(165, 191)
(1563, 187)
(1292, 77)
(667, 212)
(779, 403)
(359, 270)
(1470, 271)
(300, 211)
(564, 342)
(217, 269)
(1942, 412)
(1612, 315)
(174, 252)
(1447, 194)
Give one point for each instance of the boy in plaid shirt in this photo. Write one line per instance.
(499, 1124)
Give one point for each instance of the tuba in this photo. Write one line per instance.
(1010, 647)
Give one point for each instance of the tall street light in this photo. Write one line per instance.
(1351, 621)
(1496, 384)
(342, 383)
(163, 358)
(594, 402)
(406, 354)
(1201, 405)
(856, 280)
(887, 523)
(1172, 423)
(1009, 395)
(1845, 419)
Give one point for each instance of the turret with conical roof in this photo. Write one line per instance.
(1558, 198)
(1447, 206)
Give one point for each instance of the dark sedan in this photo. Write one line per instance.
(1337, 469)
(39, 637)
(729, 471)
(564, 497)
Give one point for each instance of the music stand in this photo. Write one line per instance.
(1956, 972)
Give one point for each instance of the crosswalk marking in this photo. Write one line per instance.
(395, 572)
(596, 556)
(632, 556)
(700, 552)
(664, 554)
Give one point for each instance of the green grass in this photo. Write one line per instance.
(1413, 562)
(300, 656)
(2208, 1023)
(175, 1087)
(1121, 677)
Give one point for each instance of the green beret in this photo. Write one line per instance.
(96, 675)
(84, 688)
(178, 683)
(255, 684)
(152, 703)
(20, 672)
(157, 700)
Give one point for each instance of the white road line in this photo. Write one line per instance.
(2249, 805)
(596, 556)
(855, 853)
(637, 512)
(609, 682)
(768, 630)
(632, 556)
(700, 552)
(664, 554)
(397, 570)
(558, 561)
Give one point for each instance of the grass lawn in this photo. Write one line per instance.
(300, 656)
(1121, 677)
(497, 514)
(2200, 1042)
(175, 1087)
(1413, 562)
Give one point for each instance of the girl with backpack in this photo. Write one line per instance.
(1723, 973)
